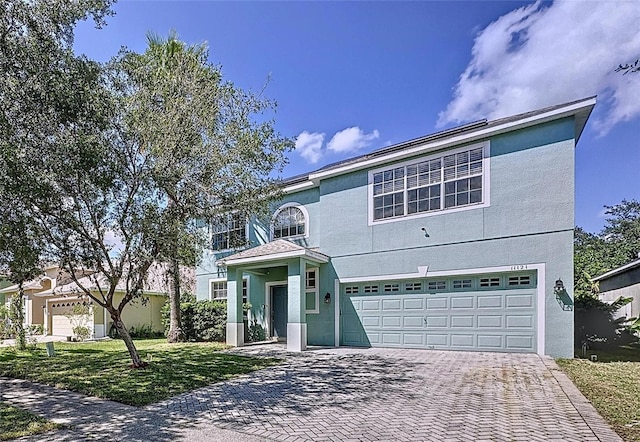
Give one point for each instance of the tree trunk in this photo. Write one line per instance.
(175, 321)
(17, 318)
(136, 362)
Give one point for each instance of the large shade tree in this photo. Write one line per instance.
(212, 146)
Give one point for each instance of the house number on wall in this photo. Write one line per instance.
(519, 267)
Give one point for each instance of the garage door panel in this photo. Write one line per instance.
(490, 301)
(462, 321)
(489, 321)
(490, 341)
(519, 321)
(462, 341)
(413, 322)
(391, 321)
(391, 304)
(459, 302)
(413, 304)
(436, 321)
(437, 304)
(497, 320)
(519, 301)
(519, 342)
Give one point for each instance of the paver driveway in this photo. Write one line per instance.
(388, 394)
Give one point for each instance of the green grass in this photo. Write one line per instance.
(102, 368)
(16, 422)
(612, 385)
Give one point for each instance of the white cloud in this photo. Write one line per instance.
(309, 145)
(542, 54)
(351, 139)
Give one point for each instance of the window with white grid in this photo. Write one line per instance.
(430, 185)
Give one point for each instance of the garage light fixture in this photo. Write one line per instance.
(327, 298)
(563, 298)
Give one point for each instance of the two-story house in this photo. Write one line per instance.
(454, 240)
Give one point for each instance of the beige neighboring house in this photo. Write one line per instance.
(622, 281)
(50, 299)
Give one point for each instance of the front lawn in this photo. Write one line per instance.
(613, 387)
(15, 422)
(102, 368)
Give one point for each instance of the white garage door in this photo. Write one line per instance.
(497, 320)
(60, 324)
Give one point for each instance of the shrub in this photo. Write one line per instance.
(596, 326)
(143, 331)
(201, 320)
(256, 332)
(81, 332)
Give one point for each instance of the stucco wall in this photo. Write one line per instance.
(530, 220)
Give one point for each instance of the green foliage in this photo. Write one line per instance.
(595, 323)
(256, 332)
(201, 320)
(16, 316)
(81, 332)
(5, 323)
(143, 331)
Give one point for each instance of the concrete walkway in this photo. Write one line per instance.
(345, 394)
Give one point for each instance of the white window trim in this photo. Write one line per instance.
(225, 280)
(486, 190)
(316, 290)
(305, 213)
(246, 236)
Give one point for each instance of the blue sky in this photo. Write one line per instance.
(350, 77)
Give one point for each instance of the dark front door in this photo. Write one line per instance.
(279, 310)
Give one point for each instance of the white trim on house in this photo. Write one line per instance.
(299, 186)
(455, 140)
(617, 270)
(315, 291)
(540, 290)
(215, 280)
(302, 253)
(305, 213)
(267, 300)
(486, 184)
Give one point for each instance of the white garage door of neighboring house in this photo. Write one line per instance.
(483, 318)
(60, 324)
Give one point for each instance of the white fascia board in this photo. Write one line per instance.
(299, 186)
(616, 271)
(459, 139)
(308, 254)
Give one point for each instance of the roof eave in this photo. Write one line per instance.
(303, 253)
(617, 271)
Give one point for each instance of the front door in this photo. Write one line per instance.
(279, 311)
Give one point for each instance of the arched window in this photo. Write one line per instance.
(289, 222)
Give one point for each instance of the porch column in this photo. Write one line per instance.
(297, 318)
(235, 326)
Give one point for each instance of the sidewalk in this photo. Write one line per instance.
(90, 418)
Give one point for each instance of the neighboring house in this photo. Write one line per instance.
(50, 299)
(623, 281)
(453, 240)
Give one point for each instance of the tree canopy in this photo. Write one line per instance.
(134, 150)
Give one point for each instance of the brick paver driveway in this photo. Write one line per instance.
(384, 394)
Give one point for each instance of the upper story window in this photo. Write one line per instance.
(433, 184)
(290, 221)
(228, 231)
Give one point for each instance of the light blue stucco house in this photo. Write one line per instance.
(454, 240)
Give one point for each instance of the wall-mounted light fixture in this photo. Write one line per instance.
(327, 298)
(562, 296)
(426, 234)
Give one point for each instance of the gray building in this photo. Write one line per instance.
(623, 281)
